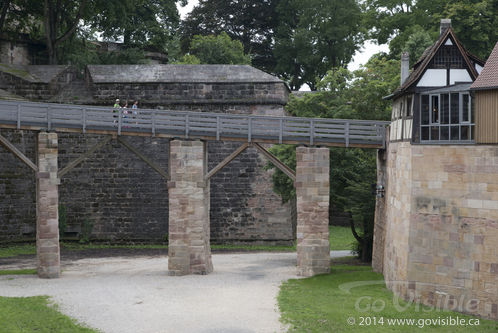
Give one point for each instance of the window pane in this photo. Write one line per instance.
(455, 110)
(472, 110)
(464, 133)
(465, 108)
(445, 109)
(425, 133)
(409, 106)
(445, 133)
(435, 109)
(425, 110)
(472, 130)
(454, 133)
(434, 133)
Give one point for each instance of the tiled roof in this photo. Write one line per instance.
(424, 60)
(488, 79)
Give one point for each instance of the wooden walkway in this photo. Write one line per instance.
(193, 125)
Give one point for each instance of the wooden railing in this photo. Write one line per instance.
(184, 124)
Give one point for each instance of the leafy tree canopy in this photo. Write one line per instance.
(314, 36)
(219, 49)
(252, 22)
(395, 21)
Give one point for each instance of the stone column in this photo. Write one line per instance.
(47, 207)
(189, 251)
(312, 192)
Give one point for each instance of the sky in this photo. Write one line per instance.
(361, 57)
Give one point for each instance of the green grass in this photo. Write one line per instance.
(34, 314)
(340, 238)
(268, 248)
(18, 271)
(318, 305)
(15, 250)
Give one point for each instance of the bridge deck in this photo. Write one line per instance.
(192, 125)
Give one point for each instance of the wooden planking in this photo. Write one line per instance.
(313, 131)
(486, 113)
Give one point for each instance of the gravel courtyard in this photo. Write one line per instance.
(135, 294)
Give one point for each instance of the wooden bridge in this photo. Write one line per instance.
(192, 125)
(188, 182)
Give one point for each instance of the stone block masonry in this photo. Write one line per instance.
(47, 200)
(189, 249)
(312, 192)
(441, 226)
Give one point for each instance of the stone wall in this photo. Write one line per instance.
(121, 194)
(442, 226)
(127, 200)
(165, 94)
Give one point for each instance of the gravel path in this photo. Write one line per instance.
(124, 294)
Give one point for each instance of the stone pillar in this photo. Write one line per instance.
(312, 193)
(189, 251)
(47, 207)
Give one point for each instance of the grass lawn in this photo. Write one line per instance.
(340, 238)
(15, 250)
(27, 271)
(318, 305)
(34, 314)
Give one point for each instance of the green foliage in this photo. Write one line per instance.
(395, 21)
(219, 49)
(416, 43)
(86, 231)
(319, 304)
(342, 94)
(282, 184)
(35, 314)
(314, 36)
(252, 22)
(62, 220)
(189, 59)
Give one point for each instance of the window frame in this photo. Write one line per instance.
(469, 124)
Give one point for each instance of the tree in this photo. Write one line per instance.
(61, 19)
(394, 21)
(416, 43)
(342, 94)
(219, 49)
(252, 22)
(313, 36)
(138, 22)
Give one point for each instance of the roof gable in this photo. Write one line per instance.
(424, 61)
(488, 79)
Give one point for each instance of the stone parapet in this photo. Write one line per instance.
(47, 199)
(312, 192)
(189, 248)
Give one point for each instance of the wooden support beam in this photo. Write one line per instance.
(10, 147)
(80, 159)
(144, 158)
(227, 160)
(284, 168)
